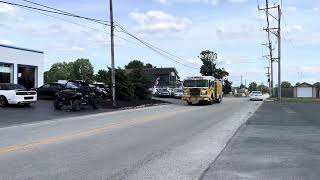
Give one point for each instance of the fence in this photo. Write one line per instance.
(285, 92)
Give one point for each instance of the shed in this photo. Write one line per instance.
(305, 90)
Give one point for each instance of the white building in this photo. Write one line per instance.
(21, 66)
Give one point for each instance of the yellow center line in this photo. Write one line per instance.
(133, 121)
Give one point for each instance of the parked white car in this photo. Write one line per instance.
(177, 93)
(16, 94)
(256, 95)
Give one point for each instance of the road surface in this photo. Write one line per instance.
(281, 141)
(164, 142)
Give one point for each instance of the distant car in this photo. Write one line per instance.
(164, 92)
(177, 93)
(16, 94)
(50, 90)
(256, 95)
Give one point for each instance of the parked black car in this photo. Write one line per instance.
(50, 90)
(76, 95)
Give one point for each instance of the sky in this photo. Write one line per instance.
(231, 28)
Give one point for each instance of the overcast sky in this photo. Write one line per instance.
(232, 28)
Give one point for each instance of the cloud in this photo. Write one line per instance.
(6, 42)
(6, 9)
(197, 62)
(212, 2)
(291, 9)
(158, 21)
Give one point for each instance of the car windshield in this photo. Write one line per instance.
(256, 92)
(72, 85)
(196, 83)
(179, 90)
(14, 87)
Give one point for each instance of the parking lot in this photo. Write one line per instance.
(41, 111)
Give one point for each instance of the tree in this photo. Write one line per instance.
(102, 76)
(242, 86)
(253, 86)
(227, 86)
(298, 84)
(263, 88)
(209, 67)
(58, 71)
(82, 69)
(317, 84)
(135, 64)
(286, 84)
(140, 83)
(148, 65)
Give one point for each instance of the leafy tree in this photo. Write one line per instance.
(82, 69)
(263, 88)
(286, 84)
(253, 86)
(135, 64)
(297, 84)
(58, 71)
(317, 84)
(242, 86)
(124, 88)
(209, 67)
(102, 76)
(140, 84)
(148, 65)
(227, 86)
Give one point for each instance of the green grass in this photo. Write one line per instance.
(297, 99)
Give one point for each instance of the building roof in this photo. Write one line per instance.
(22, 49)
(160, 70)
(305, 85)
(157, 71)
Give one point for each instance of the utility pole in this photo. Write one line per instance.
(241, 81)
(268, 75)
(277, 32)
(113, 78)
(279, 52)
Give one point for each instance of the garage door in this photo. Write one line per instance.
(304, 92)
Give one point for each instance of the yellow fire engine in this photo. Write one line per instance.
(204, 89)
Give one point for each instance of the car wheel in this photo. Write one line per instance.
(219, 100)
(3, 101)
(76, 105)
(58, 104)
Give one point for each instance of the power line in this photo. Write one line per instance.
(82, 25)
(56, 12)
(64, 13)
(155, 49)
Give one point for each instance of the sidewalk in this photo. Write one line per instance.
(281, 141)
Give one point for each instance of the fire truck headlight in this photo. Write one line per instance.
(203, 92)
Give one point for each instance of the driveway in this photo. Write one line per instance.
(281, 141)
(41, 111)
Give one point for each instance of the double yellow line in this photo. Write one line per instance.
(88, 132)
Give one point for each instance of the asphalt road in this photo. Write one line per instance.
(41, 111)
(164, 142)
(281, 141)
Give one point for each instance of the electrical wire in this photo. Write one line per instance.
(160, 51)
(56, 12)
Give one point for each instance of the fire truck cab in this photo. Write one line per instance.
(203, 89)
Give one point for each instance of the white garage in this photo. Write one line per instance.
(305, 90)
(21, 66)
